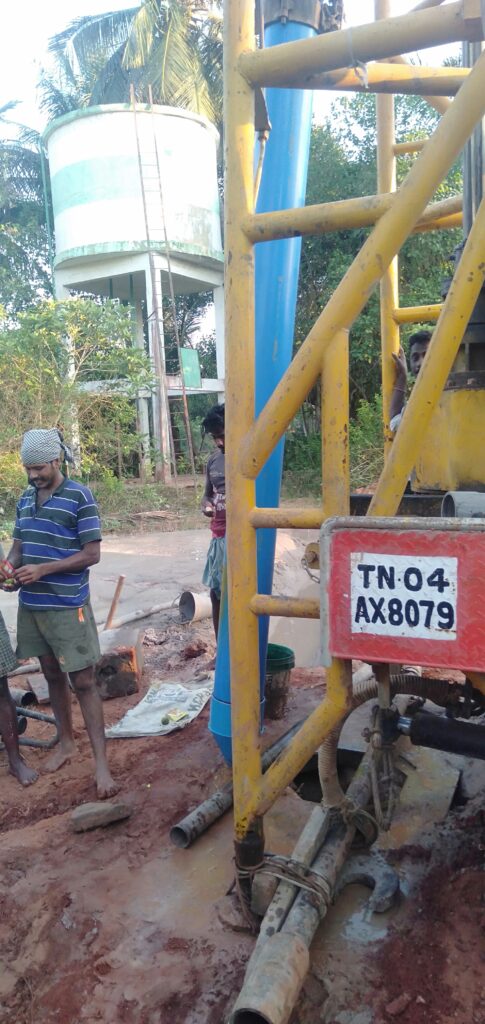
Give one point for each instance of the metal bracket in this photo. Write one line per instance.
(306, 12)
(262, 123)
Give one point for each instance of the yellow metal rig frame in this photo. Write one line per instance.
(316, 63)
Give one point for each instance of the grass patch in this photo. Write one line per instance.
(121, 501)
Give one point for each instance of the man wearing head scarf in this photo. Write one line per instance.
(56, 538)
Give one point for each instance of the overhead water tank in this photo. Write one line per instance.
(97, 182)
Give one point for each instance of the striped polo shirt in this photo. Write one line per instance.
(56, 530)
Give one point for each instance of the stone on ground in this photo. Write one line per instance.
(98, 814)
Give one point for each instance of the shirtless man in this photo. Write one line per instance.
(418, 347)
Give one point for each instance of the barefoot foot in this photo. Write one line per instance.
(61, 755)
(105, 785)
(21, 771)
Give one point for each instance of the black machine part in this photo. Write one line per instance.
(442, 733)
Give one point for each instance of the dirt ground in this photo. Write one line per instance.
(117, 925)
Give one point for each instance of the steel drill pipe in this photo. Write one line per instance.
(275, 975)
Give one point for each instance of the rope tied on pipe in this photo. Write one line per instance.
(285, 869)
(358, 66)
(364, 821)
(382, 757)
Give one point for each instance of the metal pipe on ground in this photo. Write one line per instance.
(463, 505)
(22, 698)
(274, 979)
(306, 849)
(193, 607)
(188, 829)
(38, 716)
(141, 613)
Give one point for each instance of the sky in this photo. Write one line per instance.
(26, 30)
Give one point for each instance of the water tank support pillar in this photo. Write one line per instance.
(161, 425)
(219, 319)
(142, 414)
(62, 294)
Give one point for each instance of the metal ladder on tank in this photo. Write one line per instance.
(154, 214)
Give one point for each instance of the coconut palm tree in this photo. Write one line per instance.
(24, 239)
(173, 45)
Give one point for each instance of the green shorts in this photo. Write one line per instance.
(70, 634)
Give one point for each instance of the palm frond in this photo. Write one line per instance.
(173, 45)
(6, 108)
(113, 81)
(85, 37)
(20, 183)
(147, 24)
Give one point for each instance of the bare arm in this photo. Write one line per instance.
(89, 555)
(399, 392)
(15, 554)
(207, 497)
(14, 557)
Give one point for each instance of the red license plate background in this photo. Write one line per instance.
(465, 646)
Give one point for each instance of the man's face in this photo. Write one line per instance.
(416, 356)
(42, 476)
(219, 440)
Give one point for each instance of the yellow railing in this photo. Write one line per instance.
(324, 353)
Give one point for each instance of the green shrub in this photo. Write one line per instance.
(302, 473)
(366, 444)
(12, 481)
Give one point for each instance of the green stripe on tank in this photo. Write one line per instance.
(95, 180)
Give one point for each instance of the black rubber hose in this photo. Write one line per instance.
(442, 733)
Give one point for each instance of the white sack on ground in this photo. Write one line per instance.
(165, 707)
